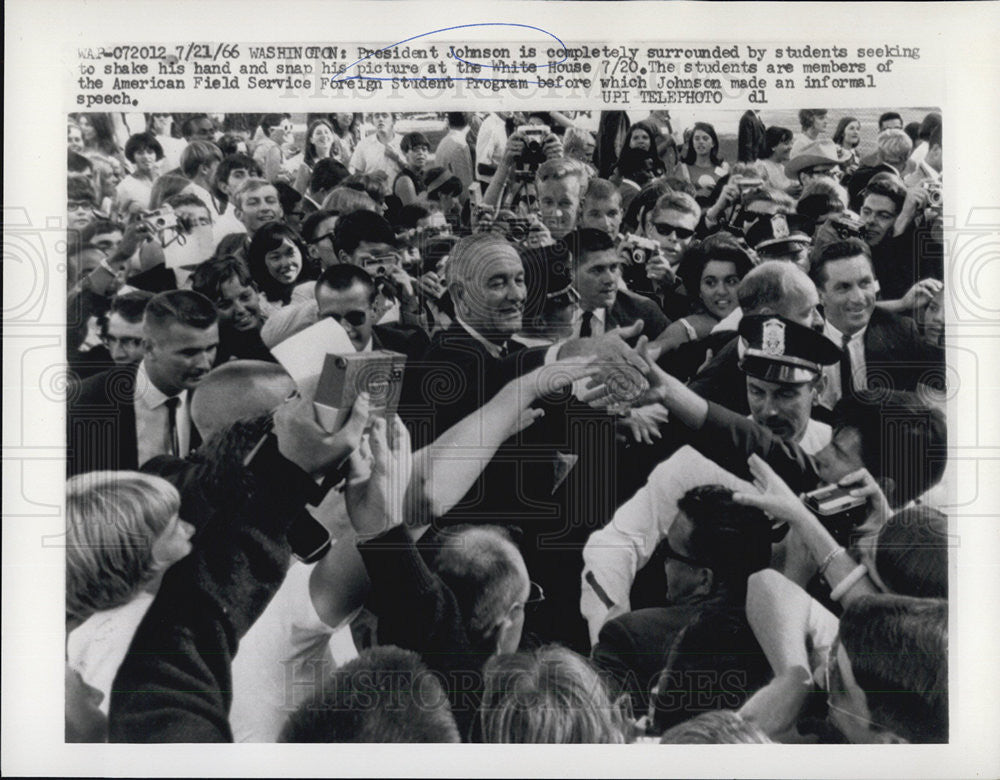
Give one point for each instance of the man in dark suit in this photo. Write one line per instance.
(552, 482)
(750, 137)
(122, 417)
(881, 350)
(597, 272)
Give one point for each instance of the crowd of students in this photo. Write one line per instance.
(666, 463)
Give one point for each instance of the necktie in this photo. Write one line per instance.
(175, 441)
(586, 329)
(846, 371)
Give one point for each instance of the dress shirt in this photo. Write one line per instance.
(833, 391)
(152, 425)
(596, 323)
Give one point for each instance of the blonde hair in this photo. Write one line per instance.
(563, 168)
(548, 696)
(112, 520)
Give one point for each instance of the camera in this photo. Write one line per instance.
(747, 183)
(934, 192)
(838, 511)
(534, 136)
(160, 219)
(847, 224)
(637, 251)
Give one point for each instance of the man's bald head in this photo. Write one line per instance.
(238, 390)
(782, 288)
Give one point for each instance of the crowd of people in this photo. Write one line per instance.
(663, 463)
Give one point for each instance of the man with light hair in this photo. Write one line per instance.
(238, 390)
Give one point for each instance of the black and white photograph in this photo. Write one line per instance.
(392, 406)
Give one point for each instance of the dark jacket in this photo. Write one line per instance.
(175, 684)
(894, 353)
(629, 307)
(100, 422)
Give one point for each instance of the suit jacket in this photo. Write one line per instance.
(101, 431)
(629, 307)
(750, 137)
(100, 420)
(894, 355)
(157, 279)
(455, 376)
(521, 487)
(410, 341)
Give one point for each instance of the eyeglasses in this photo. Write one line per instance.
(665, 229)
(670, 552)
(353, 318)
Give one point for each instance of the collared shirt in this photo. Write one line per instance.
(730, 322)
(152, 427)
(370, 157)
(596, 322)
(856, 346)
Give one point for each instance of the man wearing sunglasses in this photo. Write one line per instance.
(782, 365)
(346, 293)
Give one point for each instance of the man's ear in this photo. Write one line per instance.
(819, 387)
(343, 257)
(706, 580)
(312, 251)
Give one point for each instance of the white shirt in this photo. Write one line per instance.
(283, 659)
(596, 322)
(152, 429)
(97, 647)
(370, 157)
(616, 552)
(730, 322)
(856, 346)
(490, 144)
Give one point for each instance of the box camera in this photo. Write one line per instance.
(379, 373)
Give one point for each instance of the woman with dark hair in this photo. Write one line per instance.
(710, 271)
(346, 128)
(642, 135)
(776, 151)
(409, 182)
(848, 137)
(275, 257)
(162, 126)
(701, 164)
(319, 144)
(99, 135)
(101, 147)
(144, 151)
(227, 283)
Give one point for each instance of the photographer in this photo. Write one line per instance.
(527, 149)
